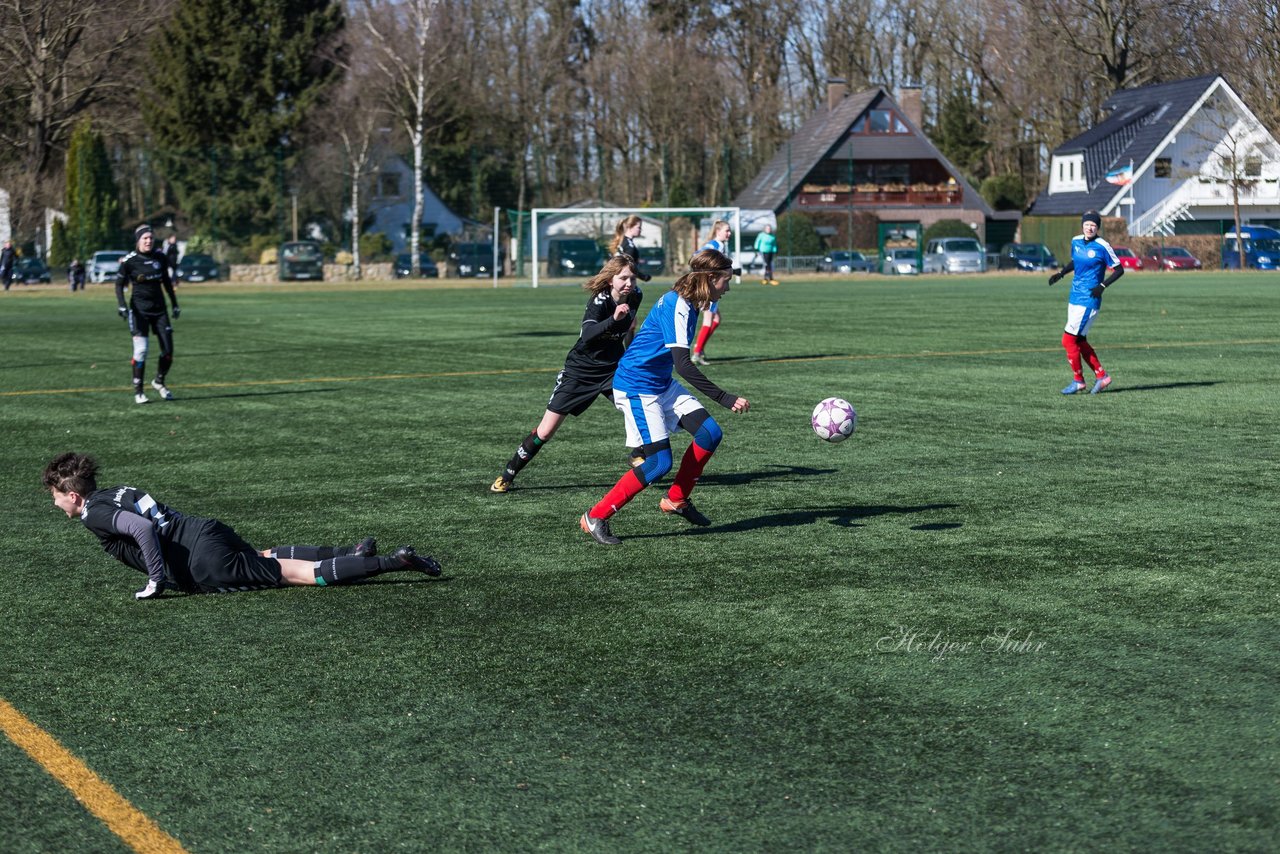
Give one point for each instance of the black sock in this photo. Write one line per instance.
(345, 570)
(311, 552)
(526, 452)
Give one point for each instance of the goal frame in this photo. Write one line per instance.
(735, 214)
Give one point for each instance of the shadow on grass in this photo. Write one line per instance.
(843, 517)
(778, 471)
(538, 333)
(195, 398)
(1160, 387)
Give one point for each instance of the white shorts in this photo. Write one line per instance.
(653, 417)
(1079, 319)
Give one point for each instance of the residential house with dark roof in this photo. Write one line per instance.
(865, 152)
(1165, 159)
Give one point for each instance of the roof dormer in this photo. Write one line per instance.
(1066, 174)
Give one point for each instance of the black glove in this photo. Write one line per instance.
(123, 312)
(177, 312)
(1097, 290)
(1055, 278)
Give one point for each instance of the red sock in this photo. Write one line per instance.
(1072, 347)
(1086, 349)
(628, 487)
(691, 466)
(703, 334)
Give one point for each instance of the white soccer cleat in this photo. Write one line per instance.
(140, 398)
(165, 394)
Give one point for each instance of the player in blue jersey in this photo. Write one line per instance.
(1096, 267)
(654, 405)
(719, 242)
(588, 369)
(202, 555)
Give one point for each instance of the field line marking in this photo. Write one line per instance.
(497, 372)
(121, 817)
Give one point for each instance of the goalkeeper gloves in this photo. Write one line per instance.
(1097, 290)
(177, 312)
(123, 312)
(1055, 278)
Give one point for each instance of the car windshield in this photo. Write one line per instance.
(578, 247)
(1033, 252)
(192, 260)
(301, 252)
(483, 249)
(108, 256)
(1122, 252)
(961, 246)
(904, 253)
(423, 260)
(1270, 244)
(1176, 252)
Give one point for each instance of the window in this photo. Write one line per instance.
(1253, 166)
(1164, 167)
(388, 185)
(879, 121)
(1071, 171)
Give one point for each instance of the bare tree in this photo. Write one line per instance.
(408, 53)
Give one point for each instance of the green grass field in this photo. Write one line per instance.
(996, 618)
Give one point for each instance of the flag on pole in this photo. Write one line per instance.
(1121, 176)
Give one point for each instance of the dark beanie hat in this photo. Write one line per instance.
(141, 230)
(1093, 217)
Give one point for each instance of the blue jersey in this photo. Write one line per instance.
(721, 246)
(1091, 259)
(646, 366)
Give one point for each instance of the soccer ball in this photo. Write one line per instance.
(834, 419)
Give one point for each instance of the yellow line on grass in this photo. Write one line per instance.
(496, 372)
(122, 818)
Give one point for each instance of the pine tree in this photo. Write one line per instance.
(960, 135)
(231, 82)
(92, 201)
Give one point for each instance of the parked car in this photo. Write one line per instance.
(1029, 257)
(29, 271)
(1172, 258)
(902, 261)
(845, 261)
(955, 255)
(1129, 259)
(426, 267)
(302, 259)
(198, 268)
(653, 260)
(1261, 248)
(573, 255)
(103, 266)
(471, 259)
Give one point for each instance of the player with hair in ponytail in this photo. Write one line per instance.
(201, 555)
(654, 405)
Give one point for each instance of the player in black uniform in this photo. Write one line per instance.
(588, 369)
(148, 271)
(624, 242)
(201, 555)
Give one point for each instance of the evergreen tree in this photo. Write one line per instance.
(231, 82)
(960, 135)
(92, 202)
(1004, 192)
(797, 235)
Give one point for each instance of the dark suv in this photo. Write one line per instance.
(302, 259)
(574, 256)
(1030, 257)
(472, 259)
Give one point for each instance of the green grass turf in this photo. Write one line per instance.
(763, 684)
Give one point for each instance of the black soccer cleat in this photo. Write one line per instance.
(684, 509)
(368, 547)
(598, 529)
(409, 558)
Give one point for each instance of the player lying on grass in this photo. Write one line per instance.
(588, 369)
(654, 405)
(202, 555)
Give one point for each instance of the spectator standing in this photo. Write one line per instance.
(7, 257)
(171, 255)
(75, 275)
(767, 245)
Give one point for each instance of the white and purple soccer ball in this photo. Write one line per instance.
(834, 419)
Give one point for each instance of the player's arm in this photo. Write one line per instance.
(122, 280)
(689, 371)
(1115, 273)
(167, 281)
(142, 532)
(597, 320)
(1054, 279)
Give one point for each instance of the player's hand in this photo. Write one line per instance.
(741, 405)
(177, 312)
(151, 591)
(621, 311)
(1055, 278)
(123, 312)
(1097, 290)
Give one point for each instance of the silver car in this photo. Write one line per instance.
(103, 266)
(955, 255)
(900, 261)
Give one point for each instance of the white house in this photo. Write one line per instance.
(1170, 158)
(391, 206)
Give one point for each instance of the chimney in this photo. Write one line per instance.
(835, 92)
(911, 100)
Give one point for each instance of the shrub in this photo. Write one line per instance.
(948, 228)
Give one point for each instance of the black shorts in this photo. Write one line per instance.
(142, 324)
(222, 562)
(573, 395)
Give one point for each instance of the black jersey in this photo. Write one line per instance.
(142, 533)
(603, 339)
(628, 248)
(148, 273)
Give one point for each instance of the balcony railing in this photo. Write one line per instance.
(879, 195)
